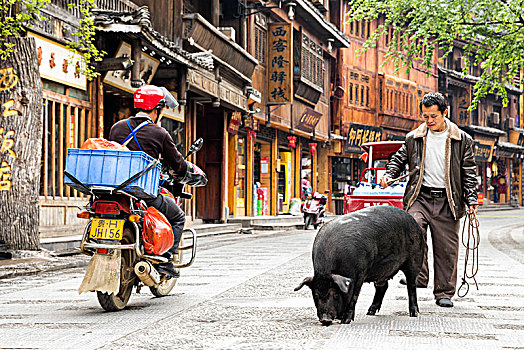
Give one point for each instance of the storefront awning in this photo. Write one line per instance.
(509, 150)
(485, 130)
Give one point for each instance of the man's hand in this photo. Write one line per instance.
(473, 209)
(384, 181)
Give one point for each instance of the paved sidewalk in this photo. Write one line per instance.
(489, 318)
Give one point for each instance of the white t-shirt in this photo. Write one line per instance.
(435, 163)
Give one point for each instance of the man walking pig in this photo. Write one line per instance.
(437, 194)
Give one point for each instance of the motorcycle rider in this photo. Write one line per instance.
(142, 132)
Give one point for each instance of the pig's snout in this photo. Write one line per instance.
(326, 320)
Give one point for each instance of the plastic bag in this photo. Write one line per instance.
(101, 143)
(157, 234)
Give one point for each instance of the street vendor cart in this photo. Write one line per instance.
(368, 192)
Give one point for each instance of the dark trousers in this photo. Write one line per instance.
(435, 213)
(176, 217)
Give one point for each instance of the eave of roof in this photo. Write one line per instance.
(309, 13)
(138, 22)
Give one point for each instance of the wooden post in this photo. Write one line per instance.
(250, 159)
(223, 185)
(314, 170)
(21, 146)
(232, 161)
(274, 175)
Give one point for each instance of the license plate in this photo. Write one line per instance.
(107, 229)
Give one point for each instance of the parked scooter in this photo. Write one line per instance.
(113, 239)
(314, 209)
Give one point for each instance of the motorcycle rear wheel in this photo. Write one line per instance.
(308, 221)
(112, 302)
(167, 286)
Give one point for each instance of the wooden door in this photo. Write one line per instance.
(210, 126)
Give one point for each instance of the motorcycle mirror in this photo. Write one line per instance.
(195, 146)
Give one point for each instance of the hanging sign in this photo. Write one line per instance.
(309, 120)
(483, 150)
(359, 134)
(234, 123)
(279, 65)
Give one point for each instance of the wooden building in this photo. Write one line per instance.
(375, 103)
(495, 129)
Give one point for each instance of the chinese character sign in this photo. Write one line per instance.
(280, 63)
(308, 120)
(359, 134)
(57, 63)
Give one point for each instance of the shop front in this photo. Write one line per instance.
(68, 119)
(507, 173)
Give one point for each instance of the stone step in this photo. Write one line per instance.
(249, 221)
(206, 228)
(281, 226)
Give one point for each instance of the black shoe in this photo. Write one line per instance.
(417, 283)
(444, 302)
(168, 269)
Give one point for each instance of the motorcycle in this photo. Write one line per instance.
(314, 209)
(113, 239)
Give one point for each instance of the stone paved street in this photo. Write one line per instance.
(239, 295)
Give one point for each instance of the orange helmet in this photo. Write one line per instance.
(149, 97)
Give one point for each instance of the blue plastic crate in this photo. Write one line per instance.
(96, 167)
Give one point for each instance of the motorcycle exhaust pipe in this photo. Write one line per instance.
(147, 273)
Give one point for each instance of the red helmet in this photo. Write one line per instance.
(149, 97)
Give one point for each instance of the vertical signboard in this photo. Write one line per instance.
(279, 65)
(20, 145)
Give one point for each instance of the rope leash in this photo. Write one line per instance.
(471, 244)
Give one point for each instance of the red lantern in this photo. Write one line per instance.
(251, 135)
(292, 141)
(313, 147)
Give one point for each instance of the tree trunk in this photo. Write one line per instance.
(20, 146)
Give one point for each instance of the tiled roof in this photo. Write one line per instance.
(114, 21)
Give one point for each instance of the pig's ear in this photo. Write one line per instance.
(342, 282)
(307, 281)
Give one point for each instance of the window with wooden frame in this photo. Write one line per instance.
(67, 122)
(363, 31)
(361, 95)
(356, 94)
(350, 93)
(367, 96)
(313, 67)
(357, 25)
(260, 44)
(380, 94)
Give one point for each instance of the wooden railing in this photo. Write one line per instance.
(115, 5)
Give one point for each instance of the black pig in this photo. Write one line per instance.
(370, 245)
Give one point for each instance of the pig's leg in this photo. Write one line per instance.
(349, 314)
(380, 290)
(411, 277)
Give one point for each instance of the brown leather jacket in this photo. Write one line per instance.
(461, 170)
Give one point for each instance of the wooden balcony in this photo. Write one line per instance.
(114, 5)
(203, 36)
